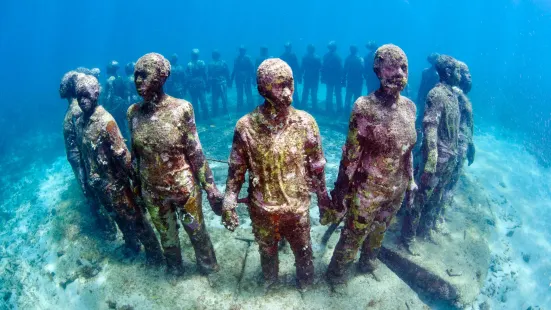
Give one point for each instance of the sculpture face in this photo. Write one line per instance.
(391, 67)
(87, 93)
(150, 74)
(275, 82)
(466, 82)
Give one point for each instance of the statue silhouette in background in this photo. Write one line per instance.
(219, 77)
(243, 75)
(196, 74)
(310, 75)
(331, 76)
(352, 77)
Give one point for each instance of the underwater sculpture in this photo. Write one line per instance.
(371, 80)
(352, 77)
(129, 86)
(176, 84)
(291, 59)
(243, 75)
(219, 77)
(107, 166)
(440, 153)
(466, 148)
(429, 79)
(170, 166)
(281, 149)
(331, 73)
(196, 72)
(376, 168)
(115, 95)
(67, 90)
(310, 76)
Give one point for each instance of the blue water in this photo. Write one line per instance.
(506, 44)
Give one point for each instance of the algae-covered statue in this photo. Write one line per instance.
(219, 77)
(243, 75)
(281, 149)
(107, 166)
(196, 72)
(376, 168)
(170, 165)
(439, 152)
(466, 148)
(67, 90)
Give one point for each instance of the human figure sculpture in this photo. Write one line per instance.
(352, 77)
(371, 80)
(67, 90)
(107, 166)
(243, 75)
(176, 84)
(219, 77)
(115, 97)
(291, 59)
(129, 86)
(376, 168)
(196, 73)
(281, 149)
(310, 74)
(439, 153)
(170, 166)
(331, 74)
(466, 148)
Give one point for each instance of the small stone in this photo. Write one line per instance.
(111, 304)
(502, 184)
(491, 222)
(60, 253)
(510, 233)
(126, 307)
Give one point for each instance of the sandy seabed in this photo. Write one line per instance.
(51, 257)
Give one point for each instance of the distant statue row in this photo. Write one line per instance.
(280, 147)
(196, 79)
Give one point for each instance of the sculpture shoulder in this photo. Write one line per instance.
(408, 105)
(132, 110)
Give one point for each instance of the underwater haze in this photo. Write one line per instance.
(51, 256)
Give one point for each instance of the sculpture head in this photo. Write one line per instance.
(129, 68)
(371, 46)
(432, 58)
(67, 85)
(215, 55)
(311, 49)
(150, 74)
(87, 90)
(264, 51)
(466, 82)
(275, 82)
(391, 67)
(288, 47)
(112, 68)
(242, 50)
(332, 46)
(174, 59)
(448, 70)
